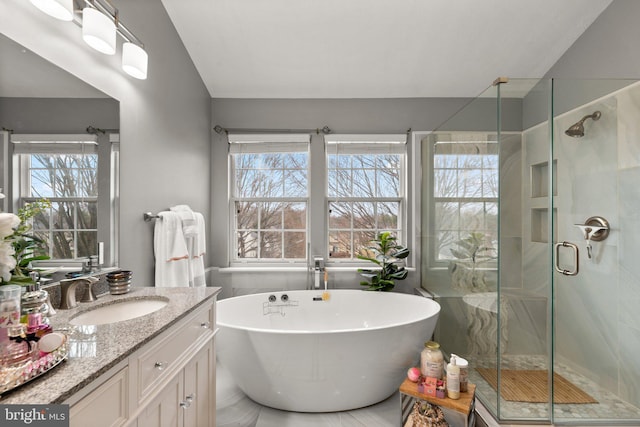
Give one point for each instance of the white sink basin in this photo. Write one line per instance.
(118, 311)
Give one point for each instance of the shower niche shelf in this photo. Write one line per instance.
(540, 179)
(540, 225)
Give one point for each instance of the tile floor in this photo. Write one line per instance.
(609, 406)
(235, 409)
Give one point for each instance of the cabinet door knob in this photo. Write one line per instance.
(185, 405)
(204, 325)
(160, 365)
(190, 397)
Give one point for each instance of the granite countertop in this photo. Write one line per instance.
(94, 349)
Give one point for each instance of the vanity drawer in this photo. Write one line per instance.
(165, 356)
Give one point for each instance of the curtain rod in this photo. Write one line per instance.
(325, 130)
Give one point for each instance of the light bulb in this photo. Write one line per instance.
(59, 9)
(98, 31)
(134, 60)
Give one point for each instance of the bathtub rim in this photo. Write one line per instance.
(222, 324)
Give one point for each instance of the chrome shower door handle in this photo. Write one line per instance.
(576, 261)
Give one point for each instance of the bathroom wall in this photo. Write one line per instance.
(596, 317)
(58, 115)
(167, 114)
(608, 50)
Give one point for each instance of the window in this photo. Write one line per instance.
(465, 199)
(269, 197)
(359, 181)
(65, 170)
(365, 191)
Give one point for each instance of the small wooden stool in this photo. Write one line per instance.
(458, 413)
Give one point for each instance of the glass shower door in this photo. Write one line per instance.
(550, 326)
(526, 191)
(596, 278)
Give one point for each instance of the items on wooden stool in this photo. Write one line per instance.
(425, 414)
(456, 413)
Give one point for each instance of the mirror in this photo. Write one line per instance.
(39, 98)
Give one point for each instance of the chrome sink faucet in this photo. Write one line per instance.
(90, 265)
(68, 289)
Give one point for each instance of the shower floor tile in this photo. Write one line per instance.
(608, 407)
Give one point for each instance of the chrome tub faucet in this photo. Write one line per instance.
(318, 270)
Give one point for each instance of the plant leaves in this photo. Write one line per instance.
(400, 275)
(385, 252)
(402, 253)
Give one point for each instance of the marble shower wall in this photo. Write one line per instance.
(524, 318)
(596, 317)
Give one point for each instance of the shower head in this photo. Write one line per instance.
(577, 130)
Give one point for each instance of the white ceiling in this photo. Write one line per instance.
(374, 48)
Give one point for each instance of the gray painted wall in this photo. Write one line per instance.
(341, 115)
(607, 49)
(58, 115)
(164, 120)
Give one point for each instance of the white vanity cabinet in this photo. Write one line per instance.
(106, 405)
(169, 381)
(186, 401)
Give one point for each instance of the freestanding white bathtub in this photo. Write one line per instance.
(297, 354)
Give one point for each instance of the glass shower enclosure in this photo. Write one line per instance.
(531, 241)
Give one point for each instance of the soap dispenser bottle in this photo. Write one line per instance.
(453, 379)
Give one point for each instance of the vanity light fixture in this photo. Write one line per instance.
(59, 9)
(134, 60)
(98, 30)
(100, 23)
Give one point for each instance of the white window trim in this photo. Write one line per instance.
(4, 170)
(264, 143)
(374, 143)
(431, 261)
(318, 201)
(108, 172)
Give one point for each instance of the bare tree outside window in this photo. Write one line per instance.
(270, 191)
(70, 182)
(465, 192)
(364, 192)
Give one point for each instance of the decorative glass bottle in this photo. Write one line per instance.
(431, 360)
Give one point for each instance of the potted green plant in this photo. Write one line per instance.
(387, 254)
(18, 248)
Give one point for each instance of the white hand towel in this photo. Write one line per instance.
(201, 242)
(170, 249)
(197, 251)
(188, 219)
(193, 229)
